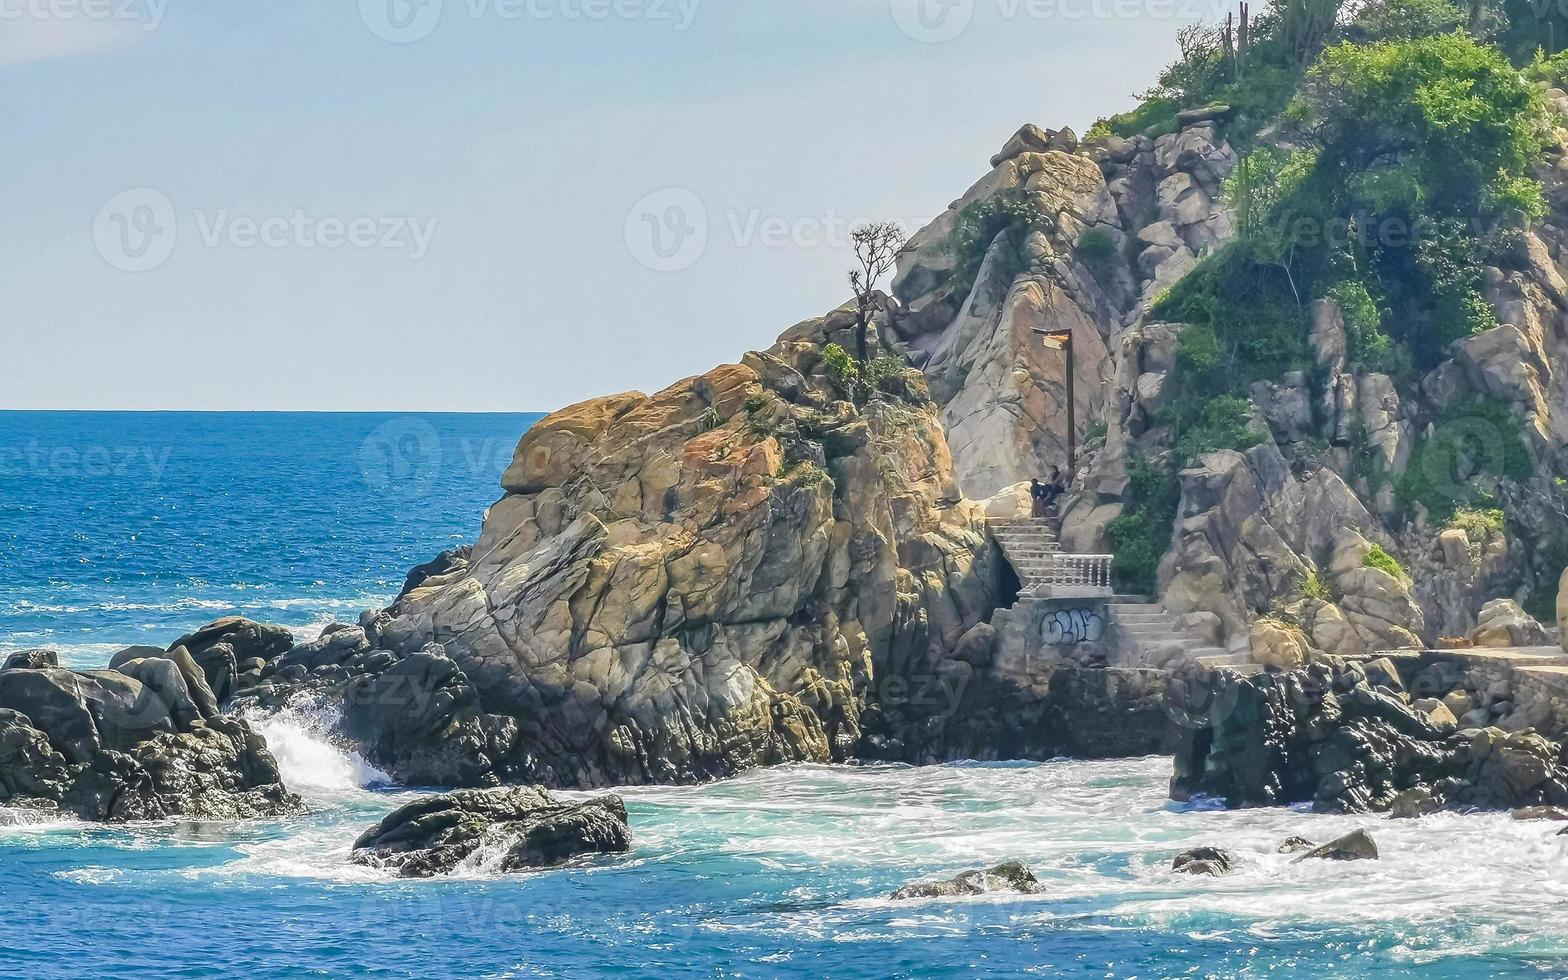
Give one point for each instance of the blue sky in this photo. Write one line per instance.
(345, 205)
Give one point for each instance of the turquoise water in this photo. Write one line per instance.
(298, 519)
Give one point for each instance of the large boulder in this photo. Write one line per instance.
(31, 660)
(505, 830)
(1504, 624)
(1207, 861)
(1357, 845)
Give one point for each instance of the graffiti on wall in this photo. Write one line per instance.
(1068, 627)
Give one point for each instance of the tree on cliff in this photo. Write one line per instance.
(876, 245)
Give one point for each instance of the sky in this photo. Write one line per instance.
(488, 205)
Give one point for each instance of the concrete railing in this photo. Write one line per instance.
(1062, 573)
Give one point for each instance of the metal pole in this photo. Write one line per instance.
(1072, 417)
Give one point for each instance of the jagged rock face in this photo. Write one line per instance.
(1003, 394)
(130, 744)
(1248, 532)
(1348, 740)
(719, 576)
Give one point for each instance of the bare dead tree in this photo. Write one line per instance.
(876, 246)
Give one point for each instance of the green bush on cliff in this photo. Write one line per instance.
(977, 228)
(1473, 445)
(1478, 524)
(1244, 325)
(1548, 69)
(1381, 560)
(1421, 162)
(1365, 340)
(1140, 536)
(1097, 250)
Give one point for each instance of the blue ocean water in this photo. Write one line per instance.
(121, 528)
(135, 528)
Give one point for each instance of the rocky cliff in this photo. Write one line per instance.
(1285, 529)
(729, 573)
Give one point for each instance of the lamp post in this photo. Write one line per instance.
(1062, 340)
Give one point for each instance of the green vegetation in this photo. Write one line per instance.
(860, 383)
(1384, 562)
(1313, 587)
(1472, 446)
(1097, 250)
(978, 226)
(1548, 69)
(1244, 325)
(1389, 154)
(1140, 536)
(1478, 525)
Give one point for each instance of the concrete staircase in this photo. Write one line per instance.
(1161, 640)
(1029, 544)
(1158, 638)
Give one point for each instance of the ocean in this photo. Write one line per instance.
(134, 528)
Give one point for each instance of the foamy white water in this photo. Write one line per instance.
(782, 861)
(312, 759)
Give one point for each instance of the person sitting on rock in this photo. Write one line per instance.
(1052, 491)
(1037, 496)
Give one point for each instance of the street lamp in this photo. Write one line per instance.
(1062, 340)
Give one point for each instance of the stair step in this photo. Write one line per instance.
(1220, 658)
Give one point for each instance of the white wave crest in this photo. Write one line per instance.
(311, 757)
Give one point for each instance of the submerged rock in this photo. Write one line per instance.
(1209, 861)
(509, 830)
(1357, 845)
(1012, 877)
(1541, 813)
(1295, 845)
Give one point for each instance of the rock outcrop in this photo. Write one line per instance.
(730, 573)
(1210, 862)
(1357, 845)
(501, 830)
(1347, 740)
(1009, 878)
(137, 743)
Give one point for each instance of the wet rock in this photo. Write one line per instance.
(1321, 735)
(31, 660)
(1412, 803)
(1357, 845)
(1295, 845)
(507, 830)
(1012, 876)
(1210, 861)
(218, 648)
(109, 746)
